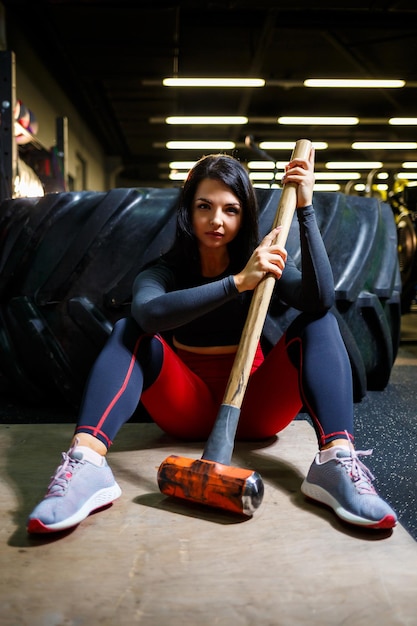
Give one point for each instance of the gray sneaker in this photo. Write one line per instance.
(77, 488)
(340, 480)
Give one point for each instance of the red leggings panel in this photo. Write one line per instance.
(185, 398)
(272, 398)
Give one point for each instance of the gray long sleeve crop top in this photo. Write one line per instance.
(210, 311)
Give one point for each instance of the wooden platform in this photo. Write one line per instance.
(154, 561)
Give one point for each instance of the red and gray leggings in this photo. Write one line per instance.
(308, 368)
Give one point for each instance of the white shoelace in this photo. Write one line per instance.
(361, 475)
(62, 476)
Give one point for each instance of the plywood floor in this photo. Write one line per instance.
(154, 561)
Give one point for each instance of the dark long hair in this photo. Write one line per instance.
(231, 172)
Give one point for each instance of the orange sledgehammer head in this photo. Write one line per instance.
(210, 483)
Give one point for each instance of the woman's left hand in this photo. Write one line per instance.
(301, 172)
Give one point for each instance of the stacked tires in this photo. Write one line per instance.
(68, 260)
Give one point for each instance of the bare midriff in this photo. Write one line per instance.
(205, 349)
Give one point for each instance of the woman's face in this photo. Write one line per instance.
(216, 214)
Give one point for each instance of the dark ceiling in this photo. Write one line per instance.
(111, 56)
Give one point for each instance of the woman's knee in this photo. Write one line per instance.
(126, 332)
(311, 333)
(323, 324)
(121, 327)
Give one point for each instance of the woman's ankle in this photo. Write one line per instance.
(84, 439)
(340, 443)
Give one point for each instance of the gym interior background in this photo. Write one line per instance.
(90, 132)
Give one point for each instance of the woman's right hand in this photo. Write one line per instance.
(267, 258)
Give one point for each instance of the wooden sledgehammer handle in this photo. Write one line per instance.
(252, 330)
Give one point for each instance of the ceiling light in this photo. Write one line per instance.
(266, 165)
(261, 175)
(403, 121)
(200, 145)
(409, 164)
(329, 121)
(407, 175)
(181, 165)
(355, 165)
(336, 175)
(178, 175)
(326, 187)
(213, 82)
(353, 82)
(261, 165)
(289, 145)
(384, 145)
(207, 119)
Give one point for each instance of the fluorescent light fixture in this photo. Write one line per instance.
(181, 165)
(261, 175)
(382, 175)
(403, 121)
(409, 165)
(289, 145)
(266, 165)
(355, 165)
(207, 119)
(336, 175)
(384, 145)
(354, 82)
(277, 145)
(200, 145)
(261, 165)
(265, 185)
(326, 187)
(323, 121)
(178, 175)
(213, 82)
(407, 175)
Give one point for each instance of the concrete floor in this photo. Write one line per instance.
(154, 561)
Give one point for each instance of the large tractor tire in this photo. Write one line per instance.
(68, 260)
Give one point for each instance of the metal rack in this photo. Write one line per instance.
(9, 128)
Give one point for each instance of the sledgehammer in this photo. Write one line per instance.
(211, 480)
